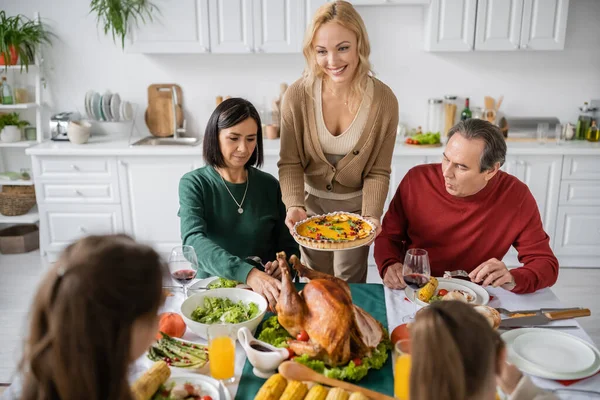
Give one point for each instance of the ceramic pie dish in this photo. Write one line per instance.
(334, 231)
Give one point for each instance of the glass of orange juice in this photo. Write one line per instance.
(402, 369)
(221, 352)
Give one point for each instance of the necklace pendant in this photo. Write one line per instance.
(240, 210)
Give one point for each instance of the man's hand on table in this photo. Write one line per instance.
(493, 272)
(393, 277)
(265, 285)
(272, 268)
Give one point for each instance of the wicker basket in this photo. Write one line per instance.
(16, 200)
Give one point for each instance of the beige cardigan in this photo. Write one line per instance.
(366, 167)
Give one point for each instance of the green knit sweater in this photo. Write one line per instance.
(222, 237)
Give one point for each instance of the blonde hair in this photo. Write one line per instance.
(344, 14)
(453, 349)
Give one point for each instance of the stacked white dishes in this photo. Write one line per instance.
(551, 354)
(107, 107)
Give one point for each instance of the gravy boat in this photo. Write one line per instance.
(264, 357)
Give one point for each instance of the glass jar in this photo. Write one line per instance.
(435, 116)
(450, 113)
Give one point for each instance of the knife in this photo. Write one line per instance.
(540, 326)
(544, 318)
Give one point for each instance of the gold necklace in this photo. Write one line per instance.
(333, 93)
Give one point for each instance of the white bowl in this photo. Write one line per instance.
(78, 132)
(234, 294)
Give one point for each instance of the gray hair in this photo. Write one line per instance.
(494, 150)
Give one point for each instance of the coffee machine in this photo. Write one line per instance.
(59, 123)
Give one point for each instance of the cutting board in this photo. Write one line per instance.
(159, 114)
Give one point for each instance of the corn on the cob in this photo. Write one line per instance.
(317, 392)
(427, 291)
(272, 389)
(147, 384)
(358, 396)
(337, 394)
(295, 390)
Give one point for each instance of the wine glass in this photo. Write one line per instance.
(183, 265)
(221, 347)
(415, 272)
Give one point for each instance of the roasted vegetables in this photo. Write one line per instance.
(178, 354)
(272, 389)
(145, 387)
(428, 290)
(295, 390)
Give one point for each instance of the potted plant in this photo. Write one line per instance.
(10, 127)
(19, 38)
(118, 16)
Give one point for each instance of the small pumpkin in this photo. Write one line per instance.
(172, 324)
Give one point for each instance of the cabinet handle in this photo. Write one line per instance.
(81, 229)
(123, 163)
(74, 167)
(78, 193)
(204, 49)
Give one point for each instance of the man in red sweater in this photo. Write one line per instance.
(467, 213)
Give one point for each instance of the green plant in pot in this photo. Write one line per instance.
(19, 39)
(117, 17)
(10, 127)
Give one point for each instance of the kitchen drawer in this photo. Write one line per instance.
(578, 231)
(66, 224)
(581, 167)
(580, 193)
(68, 168)
(83, 193)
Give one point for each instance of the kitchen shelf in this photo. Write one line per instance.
(23, 106)
(22, 143)
(31, 217)
(16, 66)
(18, 182)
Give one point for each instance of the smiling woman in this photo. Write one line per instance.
(338, 129)
(229, 209)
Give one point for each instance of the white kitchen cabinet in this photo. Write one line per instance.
(231, 26)
(278, 26)
(578, 232)
(179, 27)
(311, 7)
(450, 25)
(544, 24)
(496, 25)
(388, 2)
(150, 193)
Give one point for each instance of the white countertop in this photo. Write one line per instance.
(119, 146)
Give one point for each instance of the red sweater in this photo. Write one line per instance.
(462, 233)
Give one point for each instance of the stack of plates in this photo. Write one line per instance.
(107, 107)
(551, 354)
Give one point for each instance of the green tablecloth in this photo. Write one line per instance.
(369, 297)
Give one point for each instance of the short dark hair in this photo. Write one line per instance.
(494, 150)
(227, 114)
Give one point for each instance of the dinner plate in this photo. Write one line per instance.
(577, 352)
(106, 106)
(95, 106)
(126, 111)
(87, 103)
(115, 107)
(482, 297)
(551, 351)
(209, 385)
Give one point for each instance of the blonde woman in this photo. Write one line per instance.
(338, 129)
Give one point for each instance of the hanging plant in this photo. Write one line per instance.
(117, 16)
(19, 39)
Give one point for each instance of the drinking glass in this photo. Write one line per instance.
(415, 272)
(402, 369)
(559, 134)
(183, 265)
(221, 352)
(542, 132)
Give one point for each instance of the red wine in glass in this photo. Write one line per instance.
(184, 276)
(416, 281)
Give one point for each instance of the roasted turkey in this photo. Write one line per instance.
(338, 330)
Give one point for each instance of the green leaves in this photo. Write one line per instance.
(11, 119)
(23, 35)
(117, 16)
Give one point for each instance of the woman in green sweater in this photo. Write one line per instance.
(230, 210)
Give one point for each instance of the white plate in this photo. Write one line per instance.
(115, 107)
(126, 111)
(88, 103)
(208, 384)
(554, 337)
(552, 351)
(202, 283)
(106, 106)
(482, 297)
(95, 106)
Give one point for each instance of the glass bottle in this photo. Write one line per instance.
(466, 112)
(450, 107)
(583, 122)
(435, 116)
(592, 134)
(7, 93)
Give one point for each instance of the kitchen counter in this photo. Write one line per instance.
(101, 146)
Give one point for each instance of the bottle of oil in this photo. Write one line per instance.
(592, 134)
(583, 122)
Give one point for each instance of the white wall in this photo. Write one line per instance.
(541, 83)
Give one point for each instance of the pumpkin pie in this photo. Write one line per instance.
(334, 231)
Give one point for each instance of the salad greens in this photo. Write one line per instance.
(273, 333)
(424, 138)
(216, 309)
(223, 283)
